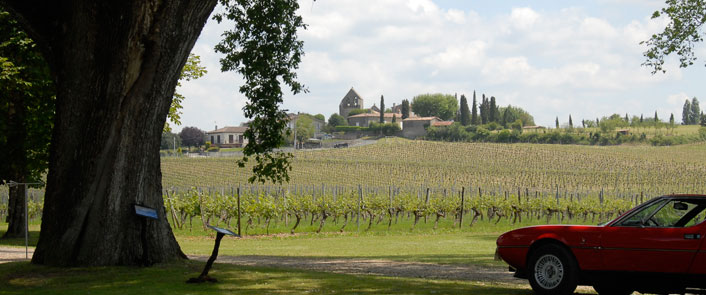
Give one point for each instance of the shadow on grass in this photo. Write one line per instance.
(33, 238)
(24, 278)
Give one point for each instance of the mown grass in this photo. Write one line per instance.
(469, 245)
(24, 278)
(447, 245)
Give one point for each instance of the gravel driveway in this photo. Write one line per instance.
(376, 267)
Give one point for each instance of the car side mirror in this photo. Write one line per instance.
(680, 206)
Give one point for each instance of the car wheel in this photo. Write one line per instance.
(552, 270)
(612, 289)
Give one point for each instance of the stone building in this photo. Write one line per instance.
(417, 126)
(364, 120)
(350, 102)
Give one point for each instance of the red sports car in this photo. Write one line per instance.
(655, 247)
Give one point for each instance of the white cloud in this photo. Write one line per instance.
(677, 99)
(523, 18)
(550, 60)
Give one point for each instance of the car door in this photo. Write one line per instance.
(658, 243)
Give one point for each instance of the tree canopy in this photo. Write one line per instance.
(684, 31)
(192, 136)
(336, 120)
(264, 48)
(439, 105)
(27, 108)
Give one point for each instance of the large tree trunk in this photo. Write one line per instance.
(16, 135)
(16, 212)
(116, 64)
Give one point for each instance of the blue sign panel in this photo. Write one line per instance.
(145, 212)
(223, 231)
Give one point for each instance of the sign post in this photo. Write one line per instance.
(220, 232)
(13, 184)
(145, 213)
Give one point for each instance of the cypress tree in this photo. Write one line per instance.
(671, 119)
(557, 122)
(394, 118)
(686, 113)
(484, 110)
(626, 118)
(641, 119)
(571, 122)
(492, 116)
(382, 109)
(656, 118)
(465, 112)
(405, 109)
(695, 111)
(474, 111)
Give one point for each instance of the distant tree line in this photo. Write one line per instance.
(447, 107)
(459, 133)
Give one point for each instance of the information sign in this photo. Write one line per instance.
(145, 212)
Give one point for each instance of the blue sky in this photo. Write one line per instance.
(552, 58)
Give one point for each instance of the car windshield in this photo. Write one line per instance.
(668, 213)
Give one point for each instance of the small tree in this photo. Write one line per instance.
(686, 113)
(492, 116)
(192, 136)
(483, 108)
(465, 112)
(320, 117)
(571, 122)
(695, 111)
(192, 70)
(170, 141)
(405, 109)
(439, 105)
(382, 109)
(474, 111)
(336, 120)
(305, 128)
(557, 123)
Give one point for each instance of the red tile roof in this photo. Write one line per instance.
(442, 123)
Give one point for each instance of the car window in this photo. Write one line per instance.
(636, 219)
(700, 216)
(671, 214)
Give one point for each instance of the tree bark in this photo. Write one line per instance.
(16, 212)
(116, 64)
(16, 135)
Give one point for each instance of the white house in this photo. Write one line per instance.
(227, 137)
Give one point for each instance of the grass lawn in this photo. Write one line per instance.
(24, 278)
(474, 246)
